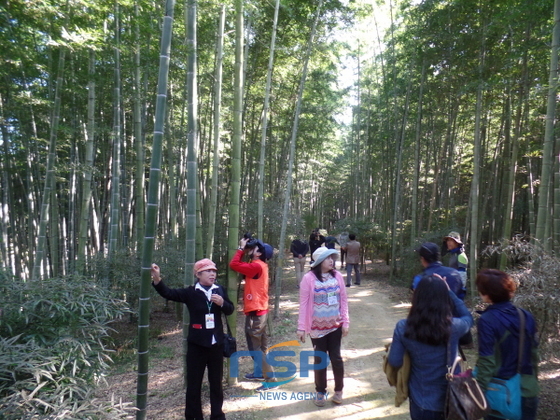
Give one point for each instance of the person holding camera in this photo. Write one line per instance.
(206, 301)
(255, 301)
(315, 241)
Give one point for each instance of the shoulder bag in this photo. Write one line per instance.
(504, 395)
(230, 343)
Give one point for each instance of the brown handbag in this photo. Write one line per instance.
(465, 400)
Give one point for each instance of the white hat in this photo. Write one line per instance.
(320, 254)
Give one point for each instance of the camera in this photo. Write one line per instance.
(251, 242)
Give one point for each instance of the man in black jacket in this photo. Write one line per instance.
(206, 301)
(299, 250)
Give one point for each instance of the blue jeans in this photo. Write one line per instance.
(528, 408)
(418, 413)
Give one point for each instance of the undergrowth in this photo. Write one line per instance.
(55, 346)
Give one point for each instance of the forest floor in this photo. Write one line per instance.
(374, 308)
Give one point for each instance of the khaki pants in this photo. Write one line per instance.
(300, 267)
(257, 340)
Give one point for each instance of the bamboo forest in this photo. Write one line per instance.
(137, 131)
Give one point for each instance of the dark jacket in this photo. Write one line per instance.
(452, 277)
(498, 344)
(299, 247)
(197, 304)
(330, 242)
(315, 241)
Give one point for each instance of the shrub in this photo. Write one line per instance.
(54, 338)
(121, 273)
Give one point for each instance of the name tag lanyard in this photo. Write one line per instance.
(210, 324)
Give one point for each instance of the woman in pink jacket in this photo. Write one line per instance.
(323, 315)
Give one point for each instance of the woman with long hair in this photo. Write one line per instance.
(323, 315)
(436, 320)
(498, 340)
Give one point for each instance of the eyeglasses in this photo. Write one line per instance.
(207, 271)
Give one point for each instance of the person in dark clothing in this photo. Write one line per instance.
(499, 339)
(430, 335)
(458, 259)
(430, 260)
(315, 241)
(299, 250)
(342, 241)
(206, 301)
(330, 242)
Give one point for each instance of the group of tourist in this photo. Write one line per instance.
(349, 248)
(437, 325)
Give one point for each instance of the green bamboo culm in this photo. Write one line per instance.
(235, 187)
(117, 142)
(41, 250)
(190, 250)
(139, 140)
(151, 213)
(545, 200)
(287, 195)
(88, 170)
(264, 119)
(218, 77)
(475, 185)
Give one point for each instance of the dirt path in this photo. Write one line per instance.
(367, 394)
(374, 311)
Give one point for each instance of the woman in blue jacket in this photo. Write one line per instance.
(436, 320)
(498, 340)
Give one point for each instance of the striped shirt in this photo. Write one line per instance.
(326, 307)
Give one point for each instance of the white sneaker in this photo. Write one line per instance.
(337, 397)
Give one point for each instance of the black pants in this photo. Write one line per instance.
(198, 358)
(329, 344)
(312, 250)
